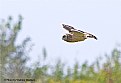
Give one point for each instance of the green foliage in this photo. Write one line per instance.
(13, 59)
(75, 72)
(58, 71)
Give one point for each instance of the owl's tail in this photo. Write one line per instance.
(91, 36)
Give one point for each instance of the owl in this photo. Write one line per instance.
(75, 35)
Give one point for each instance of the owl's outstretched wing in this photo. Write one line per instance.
(88, 35)
(67, 27)
(78, 33)
(73, 31)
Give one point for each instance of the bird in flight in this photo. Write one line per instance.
(75, 35)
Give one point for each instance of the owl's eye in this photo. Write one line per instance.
(64, 37)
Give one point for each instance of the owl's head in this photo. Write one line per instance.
(65, 37)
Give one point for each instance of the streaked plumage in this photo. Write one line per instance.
(75, 35)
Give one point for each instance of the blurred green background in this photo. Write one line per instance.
(31, 45)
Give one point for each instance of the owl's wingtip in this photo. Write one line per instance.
(63, 24)
(95, 38)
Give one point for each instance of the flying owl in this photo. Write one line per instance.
(75, 35)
